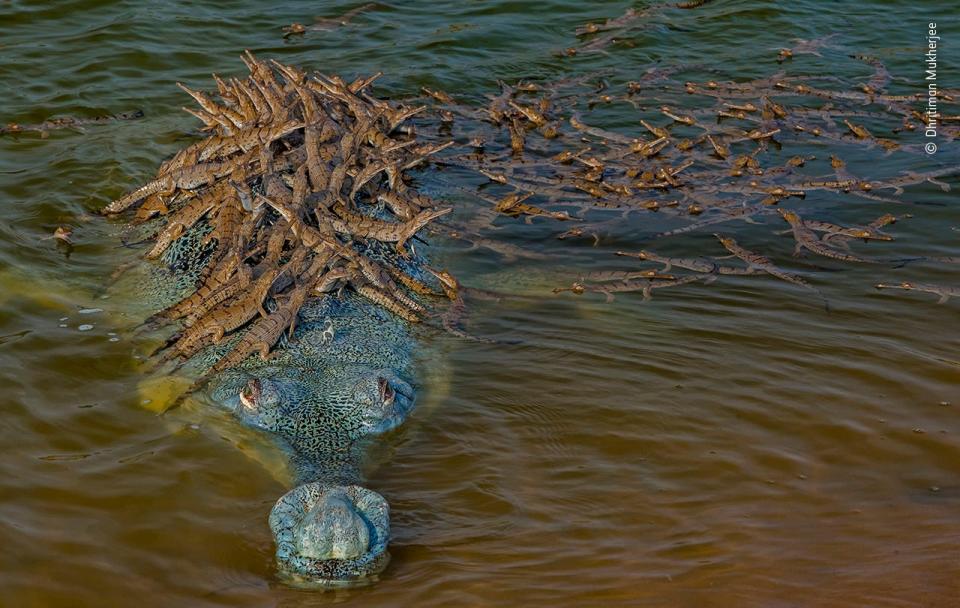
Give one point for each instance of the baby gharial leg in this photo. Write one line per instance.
(333, 529)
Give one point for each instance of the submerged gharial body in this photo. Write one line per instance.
(344, 378)
(283, 251)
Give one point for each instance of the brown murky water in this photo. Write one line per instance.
(724, 445)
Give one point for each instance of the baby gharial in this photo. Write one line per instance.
(338, 383)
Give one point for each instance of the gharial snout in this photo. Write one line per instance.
(333, 529)
(331, 535)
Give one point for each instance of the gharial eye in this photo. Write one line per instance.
(250, 393)
(387, 394)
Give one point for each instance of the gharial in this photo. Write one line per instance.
(286, 242)
(284, 258)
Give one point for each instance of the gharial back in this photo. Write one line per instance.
(144, 288)
(291, 199)
(327, 373)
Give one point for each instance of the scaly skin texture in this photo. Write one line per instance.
(704, 265)
(245, 140)
(806, 239)
(292, 288)
(944, 291)
(760, 262)
(332, 529)
(186, 178)
(342, 379)
(342, 536)
(387, 232)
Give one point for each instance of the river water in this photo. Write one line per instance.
(731, 444)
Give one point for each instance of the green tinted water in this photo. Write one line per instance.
(722, 445)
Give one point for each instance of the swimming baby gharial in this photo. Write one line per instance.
(282, 260)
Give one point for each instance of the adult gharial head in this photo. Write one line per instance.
(328, 391)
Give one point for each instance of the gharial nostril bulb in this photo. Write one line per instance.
(333, 529)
